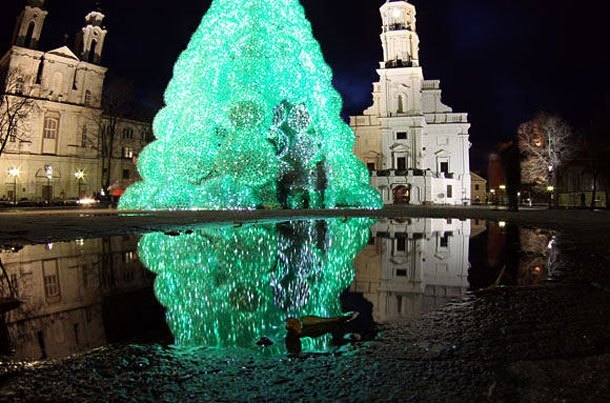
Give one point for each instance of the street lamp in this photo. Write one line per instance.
(79, 175)
(14, 172)
(550, 189)
(503, 194)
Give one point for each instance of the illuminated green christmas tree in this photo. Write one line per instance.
(228, 286)
(251, 120)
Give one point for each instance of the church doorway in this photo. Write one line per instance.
(402, 195)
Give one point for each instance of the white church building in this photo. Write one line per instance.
(416, 148)
(56, 150)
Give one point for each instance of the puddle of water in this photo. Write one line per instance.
(233, 286)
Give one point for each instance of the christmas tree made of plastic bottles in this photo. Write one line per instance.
(251, 120)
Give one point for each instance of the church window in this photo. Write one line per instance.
(401, 244)
(40, 71)
(444, 241)
(29, 35)
(449, 191)
(74, 80)
(19, 86)
(445, 167)
(477, 187)
(128, 133)
(401, 136)
(84, 138)
(51, 125)
(370, 166)
(87, 98)
(58, 82)
(126, 174)
(401, 163)
(127, 152)
(91, 57)
(401, 104)
(51, 281)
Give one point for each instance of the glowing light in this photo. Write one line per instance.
(79, 174)
(251, 120)
(14, 172)
(229, 286)
(502, 224)
(502, 187)
(87, 201)
(550, 188)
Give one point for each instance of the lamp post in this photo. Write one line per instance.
(79, 175)
(502, 194)
(14, 172)
(550, 189)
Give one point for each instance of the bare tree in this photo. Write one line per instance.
(16, 108)
(116, 102)
(546, 143)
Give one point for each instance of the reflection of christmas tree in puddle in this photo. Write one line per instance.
(251, 120)
(229, 286)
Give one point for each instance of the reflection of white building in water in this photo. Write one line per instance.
(63, 287)
(416, 148)
(413, 266)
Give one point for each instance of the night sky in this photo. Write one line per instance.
(499, 60)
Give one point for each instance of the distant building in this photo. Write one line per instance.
(479, 188)
(575, 187)
(416, 148)
(58, 151)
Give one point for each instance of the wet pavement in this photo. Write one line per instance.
(515, 336)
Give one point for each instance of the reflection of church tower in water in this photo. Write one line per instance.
(416, 147)
(413, 266)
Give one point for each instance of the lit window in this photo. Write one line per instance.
(127, 153)
(50, 128)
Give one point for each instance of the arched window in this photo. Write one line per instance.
(91, 57)
(87, 98)
(401, 104)
(27, 42)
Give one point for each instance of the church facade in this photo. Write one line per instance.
(57, 149)
(416, 148)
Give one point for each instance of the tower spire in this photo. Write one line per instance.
(29, 24)
(90, 40)
(399, 37)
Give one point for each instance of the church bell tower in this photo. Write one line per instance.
(29, 24)
(90, 40)
(399, 36)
